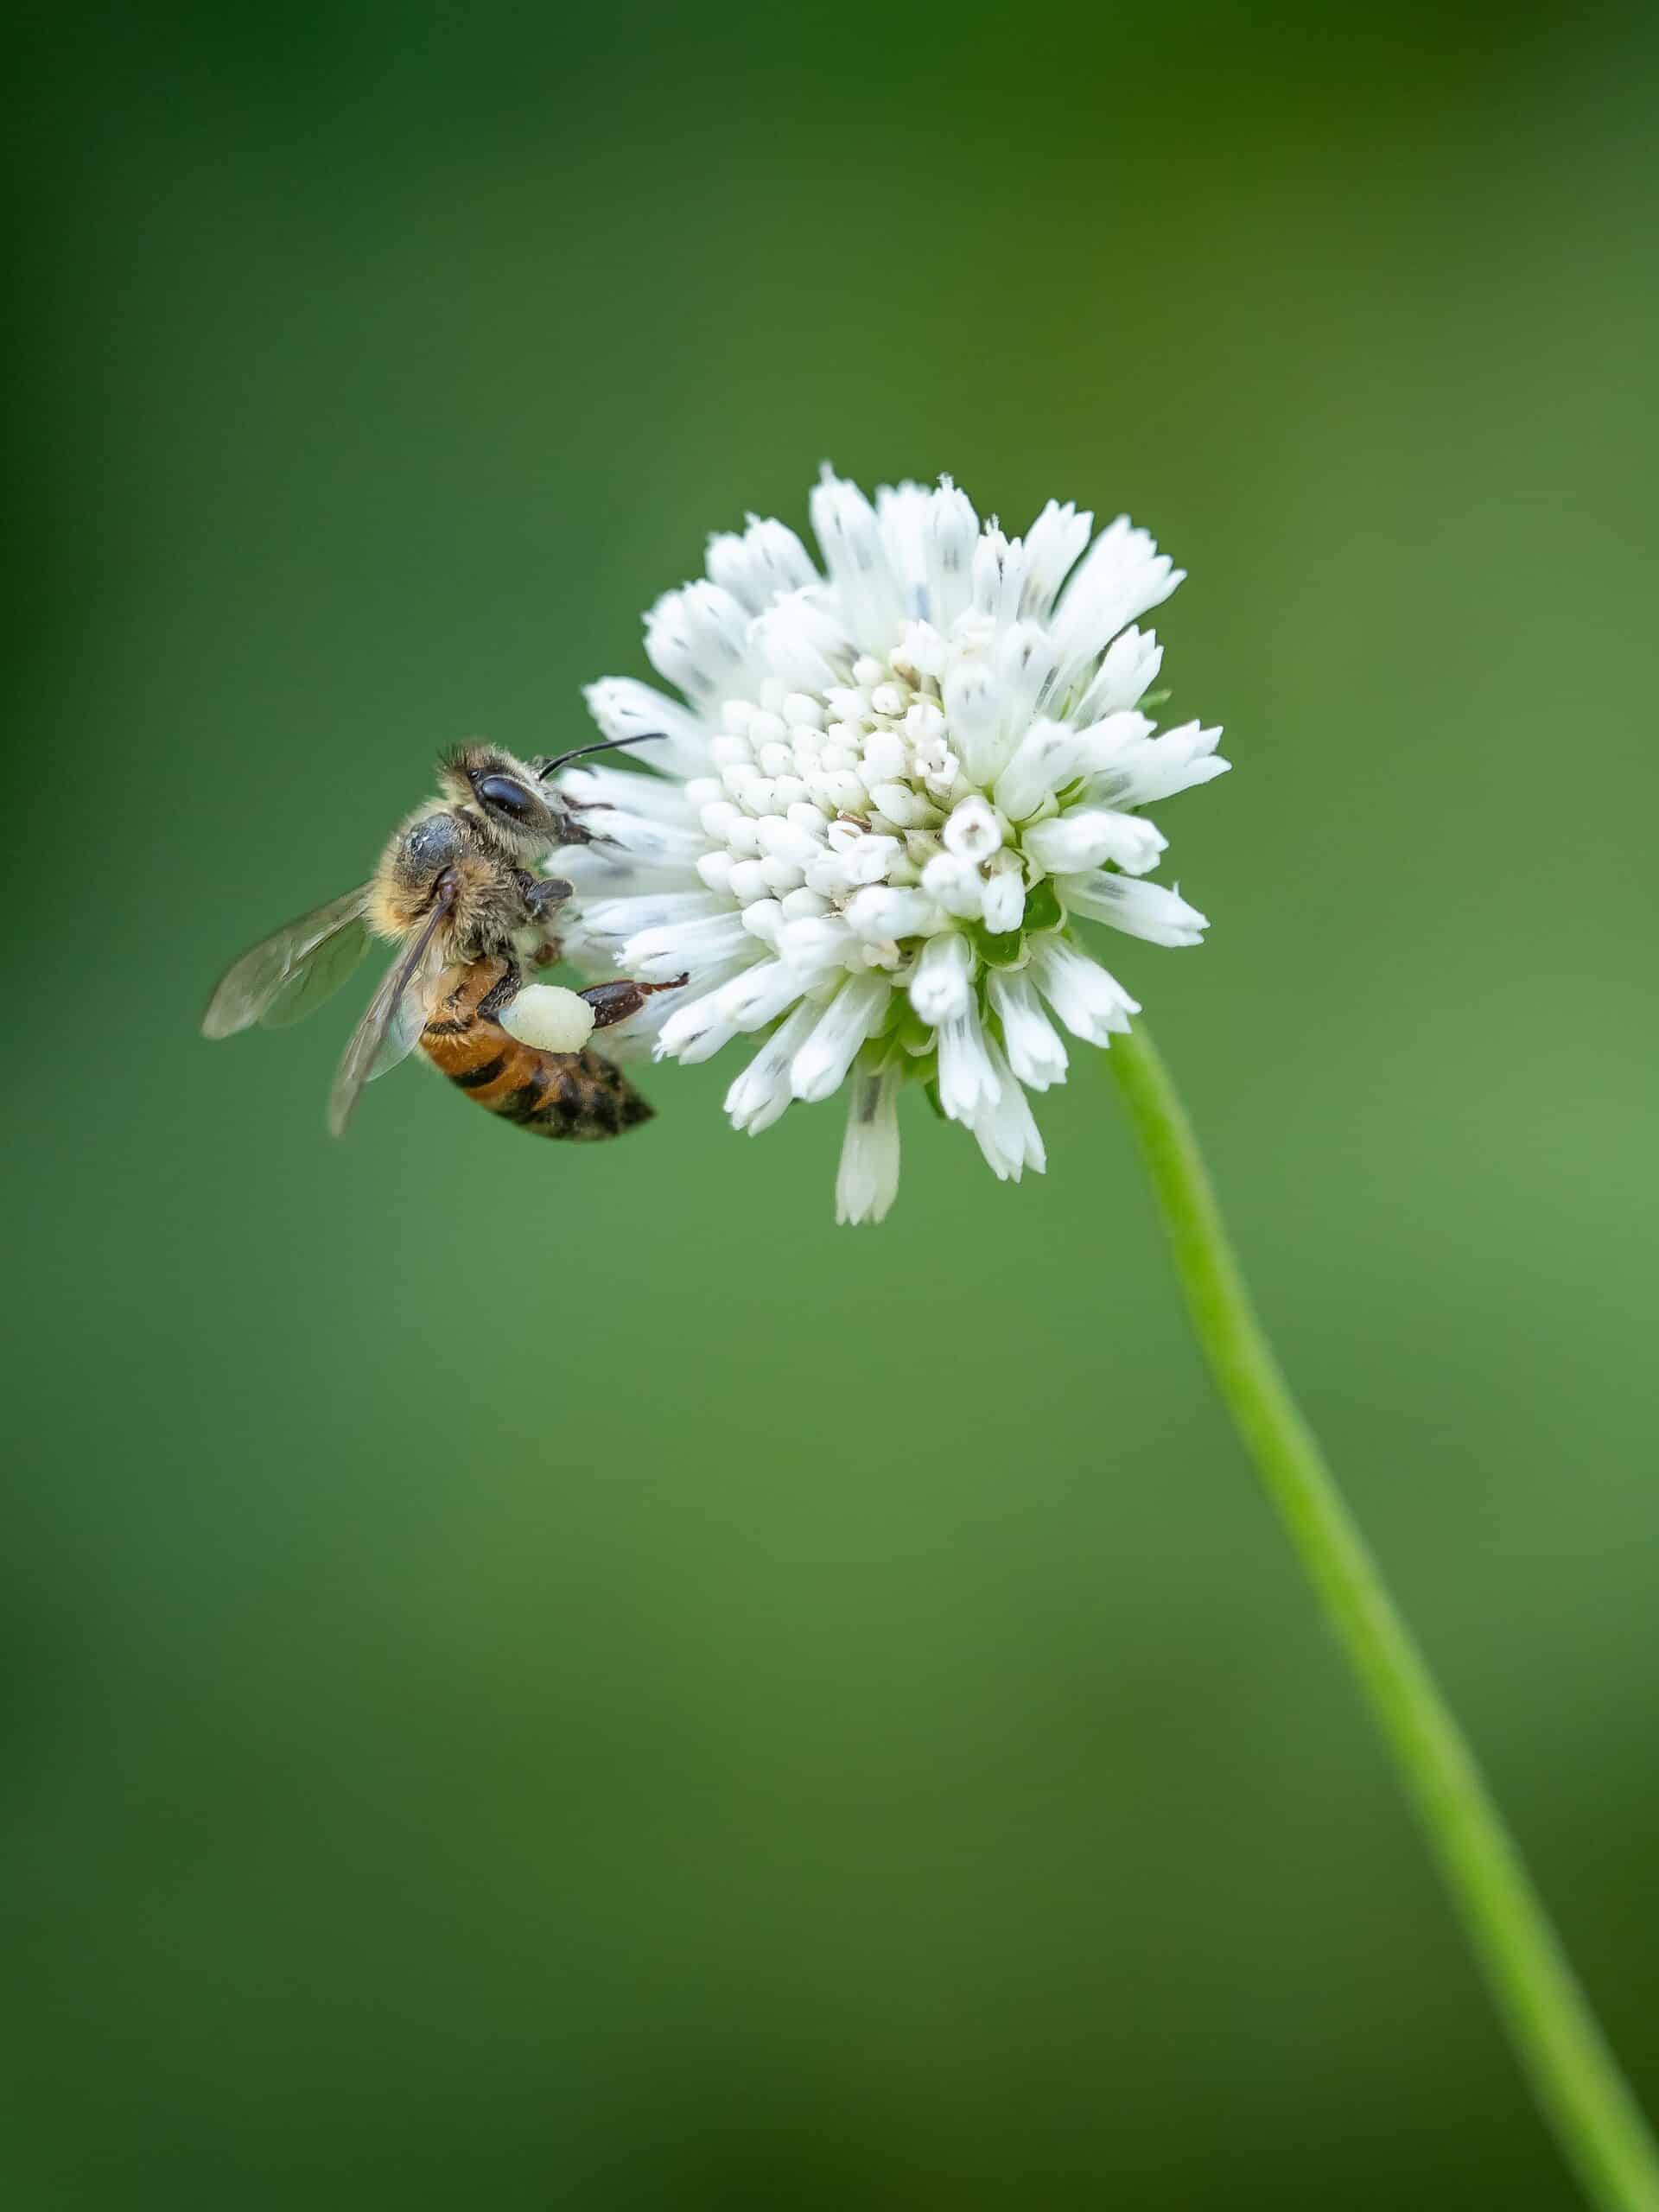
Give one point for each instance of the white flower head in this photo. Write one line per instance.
(887, 797)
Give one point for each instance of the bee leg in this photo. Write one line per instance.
(616, 1001)
(541, 893)
(542, 896)
(501, 994)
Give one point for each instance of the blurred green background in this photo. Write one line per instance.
(567, 1680)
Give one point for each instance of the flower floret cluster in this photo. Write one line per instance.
(887, 793)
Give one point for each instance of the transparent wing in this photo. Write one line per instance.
(318, 976)
(293, 969)
(396, 1016)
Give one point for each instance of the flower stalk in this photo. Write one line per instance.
(1562, 2048)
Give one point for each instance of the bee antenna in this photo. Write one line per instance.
(547, 768)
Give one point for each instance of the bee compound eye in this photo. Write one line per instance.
(507, 793)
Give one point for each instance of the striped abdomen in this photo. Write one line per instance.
(576, 1096)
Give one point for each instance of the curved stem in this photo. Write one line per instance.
(1560, 2046)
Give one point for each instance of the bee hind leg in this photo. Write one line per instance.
(500, 994)
(616, 1001)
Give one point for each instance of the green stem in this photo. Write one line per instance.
(1560, 2046)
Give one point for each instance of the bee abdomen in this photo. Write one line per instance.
(576, 1096)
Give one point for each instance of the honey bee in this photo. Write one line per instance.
(454, 891)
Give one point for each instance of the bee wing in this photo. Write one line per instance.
(396, 1016)
(293, 969)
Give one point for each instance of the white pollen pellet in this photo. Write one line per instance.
(549, 1017)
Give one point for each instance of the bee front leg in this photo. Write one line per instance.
(616, 1001)
(542, 896)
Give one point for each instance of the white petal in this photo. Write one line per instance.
(697, 638)
(1027, 663)
(660, 798)
(805, 906)
(1054, 544)
(693, 1030)
(1125, 675)
(802, 641)
(1001, 564)
(968, 1081)
(1157, 767)
(940, 983)
(763, 918)
(905, 515)
(1044, 760)
(606, 872)
(1083, 837)
(867, 856)
(767, 560)
(1105, 745)
(623, 707)
(956, 885)
(867, 1181)
(850, 538)
(1090, 1003)
(1004, 893)
(781, 841)
(654, 956)
(655, 844)
(1006, 1130)
(954, 531)
(621, 918)
(976, 710)
(759, 995)
(849, 1017)
(902, 806)
(811, 943)
(1148, 910)
(1035, 1052)
(884, 911)
(973, 831)
(759, 1097)
(1121, 576)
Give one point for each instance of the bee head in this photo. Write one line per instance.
(506, 795)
